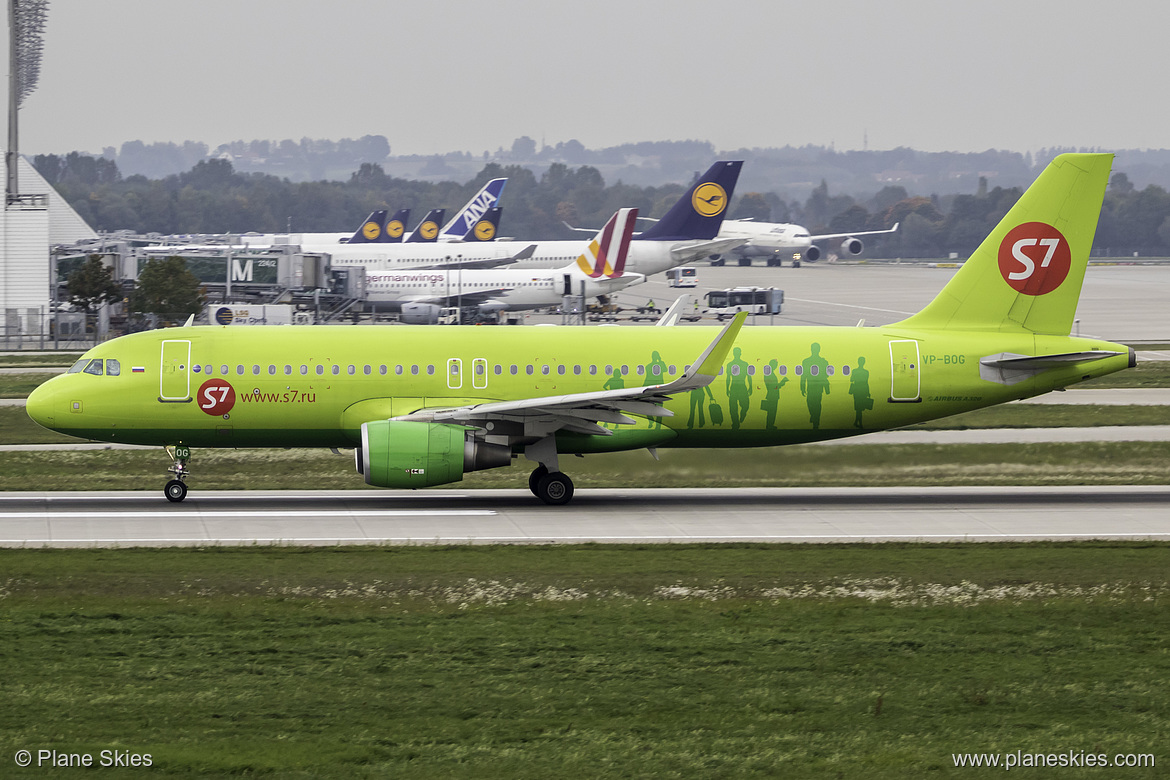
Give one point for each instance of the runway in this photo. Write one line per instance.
(633, 516)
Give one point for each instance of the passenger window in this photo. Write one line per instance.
(255, 370)
(336, 370)
(271, 370)
(561, 370)
(94, 367)
(382, 370)
(398, 370)
(223, 370)
(304, 370)
(349, 370)
(320, 369)
(240, 370)
(515, 369)
(530, 369)
(287, 370)
(430, 370)
(113, 368)
(414, 370)
(544, 370)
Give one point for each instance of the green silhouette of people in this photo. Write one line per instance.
(655, 375)
(814, 382)
(739, 388)
(859, 389)
(615, 382)
(699, 397)
(772, 385)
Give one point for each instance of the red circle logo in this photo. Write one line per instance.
(1034, 258)
(216, 397)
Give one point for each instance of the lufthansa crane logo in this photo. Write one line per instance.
(428, 230)
(484, 230)
(371, 230)
(394, 228)
(1034, 258)
(709, 199)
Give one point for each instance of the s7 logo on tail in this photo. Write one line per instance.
(1034, 258)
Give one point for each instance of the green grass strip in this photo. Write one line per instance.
(818, 661)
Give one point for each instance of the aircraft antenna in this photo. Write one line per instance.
(26, 24)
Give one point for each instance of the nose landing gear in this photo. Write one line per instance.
(176, 489)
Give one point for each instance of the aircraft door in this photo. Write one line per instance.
(454, 373)
(174, 382)
(479, 373)
(905, 384)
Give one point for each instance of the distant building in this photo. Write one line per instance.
(32, 223)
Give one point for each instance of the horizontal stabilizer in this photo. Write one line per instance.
(1008, 368)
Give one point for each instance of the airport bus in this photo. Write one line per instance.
(683, 276)
(754, 300)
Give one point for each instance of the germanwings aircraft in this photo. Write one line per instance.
(422, 406)
(420, 294)
(686, 233)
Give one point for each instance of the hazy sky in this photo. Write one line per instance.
(469, 75)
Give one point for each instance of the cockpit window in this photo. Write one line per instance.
(79, 366)
(113, 368)
(94, 367)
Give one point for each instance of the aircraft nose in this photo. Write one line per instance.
(40, 406)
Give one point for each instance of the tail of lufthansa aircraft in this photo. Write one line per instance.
(1027, 275)
(467, 217)
(372, 230)
(396, 227)
(605, 256)
(699, 213)
(428, 230)
(485, 229)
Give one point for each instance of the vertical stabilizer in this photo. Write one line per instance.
(699, 213)
(466, 218)
(605, 256)
(1027, 274)
(427, 231)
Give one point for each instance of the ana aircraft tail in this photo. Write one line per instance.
(1027, 274)
(605, 256)
(428, 230)
(485, 228)
(467, 217)
(699, 213)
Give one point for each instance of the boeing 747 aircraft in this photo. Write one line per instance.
(423, 406)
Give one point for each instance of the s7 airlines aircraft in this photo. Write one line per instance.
(599, 270)
(422, 406)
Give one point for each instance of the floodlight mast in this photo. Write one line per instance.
(26, 23)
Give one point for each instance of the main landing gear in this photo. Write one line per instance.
(553, 488)
(176, 489)
(546, 481)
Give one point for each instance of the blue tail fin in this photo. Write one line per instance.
(699, 213)
(467, 217)
(396, 227)
(372, 231)
(485, 229)
(428, 230)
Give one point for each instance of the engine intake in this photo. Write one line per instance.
(400, 454)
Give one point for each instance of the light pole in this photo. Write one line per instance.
(26, 23)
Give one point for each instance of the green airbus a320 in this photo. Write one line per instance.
(422, 406)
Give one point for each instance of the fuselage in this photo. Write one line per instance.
(765, 238)
(314, 386)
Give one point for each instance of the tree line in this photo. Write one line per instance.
(212, 197)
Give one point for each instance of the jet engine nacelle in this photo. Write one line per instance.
(420, 313)
(813, 253)
(852, 246)
(401, 454)
(491, 308)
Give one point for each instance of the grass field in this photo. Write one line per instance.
(515, 662)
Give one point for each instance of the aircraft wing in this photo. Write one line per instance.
(853, 235)
(473, 298)
(581, 412)
(523, 254)
(700, 250)
(675, 311)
